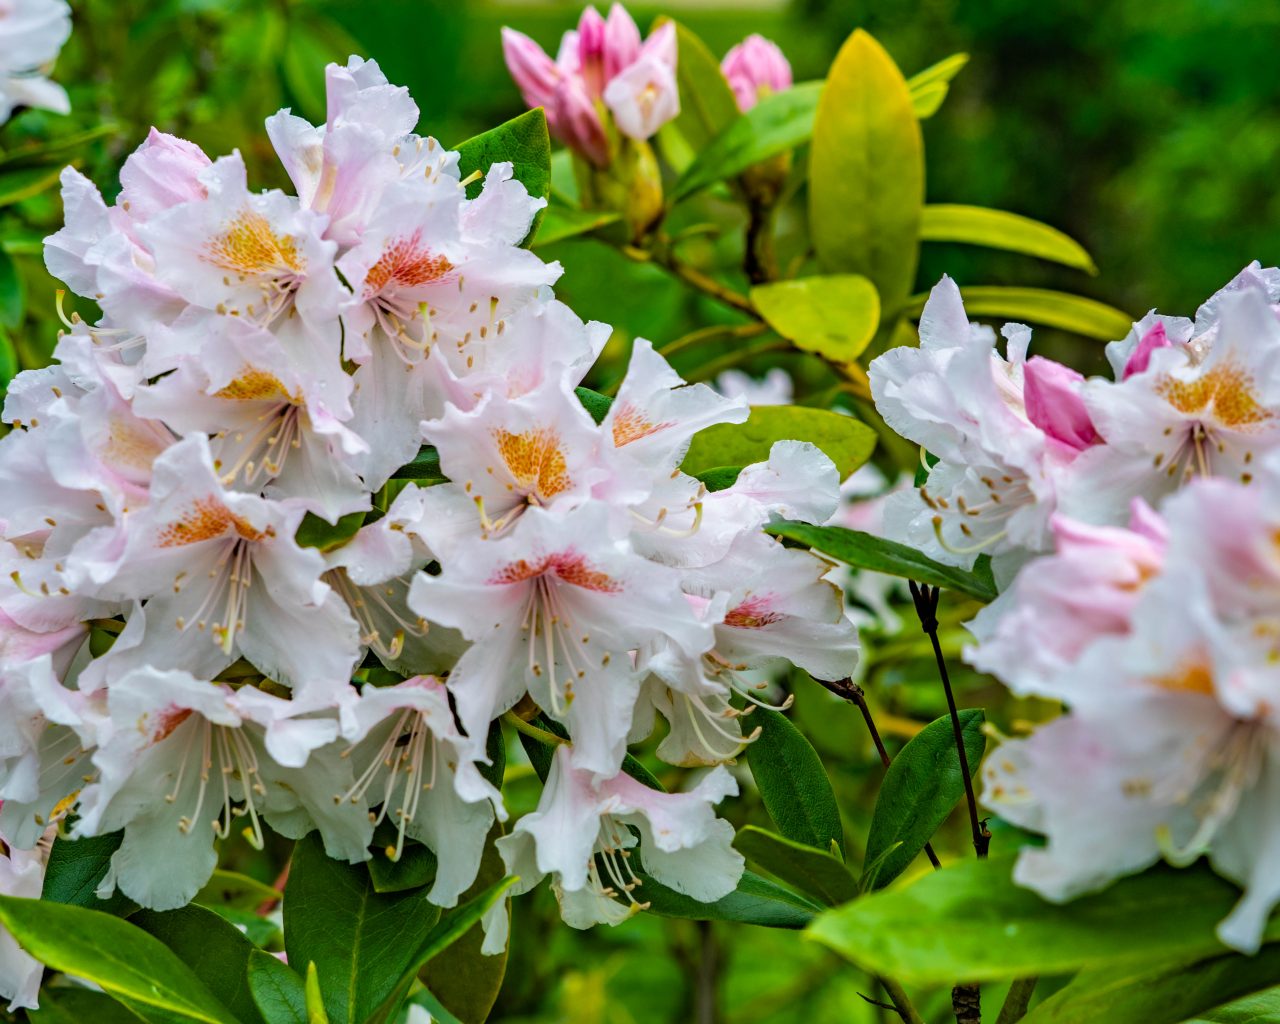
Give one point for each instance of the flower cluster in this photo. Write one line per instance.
(224, 606)
(1137, 519)
(31, 34)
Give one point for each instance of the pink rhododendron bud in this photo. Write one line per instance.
(163, 172)
(644, 97)
(1054, 404)
(1141, 358)
(591, 51)
(756, 68)
(621, 42)
(577, 122)
(534, 72)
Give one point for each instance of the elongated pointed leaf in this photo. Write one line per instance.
(1263, 1008)
(866, 171)
(930, 86)
(815, 872)
(920, 789)
(76, 868)
(361, 941)
(22, 183)
(561, 222)
(707, 104)
(1074, 313)
(846, 442)
(834, 315)
(424, 470)
(230, 889)
(80, 1006)
(216, 951)
(971, 921)
(12, 292)
(523, 141)
(998, 229)
(316, 1013)
(755, 901)
(1165, 993)
(793, 784)
(865, 551)
(124, 960)
(278, 990)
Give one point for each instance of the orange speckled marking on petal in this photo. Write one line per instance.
(206, 519)
(630, 424)
(536, 460)
(569, 566)
(250, 246)
(128, 446)
(1191, 677)
(255, 385)
(752, 614)
(1226, 391)
(406, 262)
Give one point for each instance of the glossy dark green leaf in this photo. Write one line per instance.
(12, 293)
(124, 960)
(998, 229)
(865, 551)
(920, 789)
(756, 901)
(866, 171)
(815, 872)
(1074, 313)
(76, 868)
(719, 477)
(594, 402)
(80, 1006)
(230, 889)
(361, 941)
(845, 440)
(217, 953)
(415, 868)
(1263, 1008)
(971, 921)
(523, 141)
(495, 746)
(424, 470)
(1169, 992)
(314, 532)
(278, 990)
(793, 784)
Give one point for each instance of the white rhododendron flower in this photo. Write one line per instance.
(316, 502)
(31, 34)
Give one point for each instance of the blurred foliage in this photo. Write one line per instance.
(1147, 131)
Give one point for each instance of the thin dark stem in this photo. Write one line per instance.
(926, 602)
(1017, 1001)
(760, 263)
(854, 694)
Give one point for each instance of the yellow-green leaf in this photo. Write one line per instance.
(846, 441)
(997, 229)
(866, 171)
(1067, 312)
(930, 86)
(834, 316)
(707, 104)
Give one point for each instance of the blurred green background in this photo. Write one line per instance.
(1149, 132)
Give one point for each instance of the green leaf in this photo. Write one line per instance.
(971, 921)
(465, 980)
(816, 872)
(719, 477)
(866, 171)
(360, 940)
(458, 922)
(846, 441)
(122, 959)
(9, 363)
(921, 787)
(314, 532)
(415, 868)
(996, 229)
(278, 991)
(834, 316)
(561, 222)
(707, 104)
(57, 151)
(302, 64)
(24, 182)
(1040, 306)
(594, 402)
(1166, 993)
(1264, 1008)
(12, 294)
(78, 1005)
(215, 951)
(77, 866)
(864, 551)
(424, 470)
(793, 784)
(777, 123)
(316, 1013)
(756, 901)
(525, 143)
(230, 889)
(930, 86)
